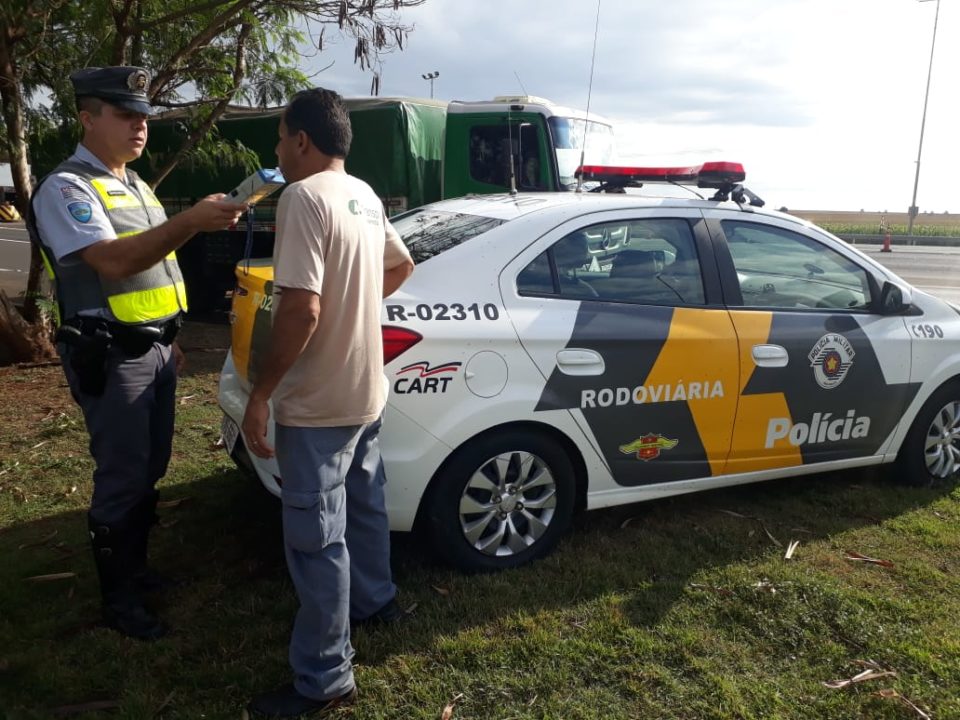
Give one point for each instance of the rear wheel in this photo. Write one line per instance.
(502, 501)
(931, 451)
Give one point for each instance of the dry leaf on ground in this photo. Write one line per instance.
(791, 548)
(42, 541)
(851, 555)
(894, 695)
(441, 590)
(731, 513)
(51, 577)
(172, 503)
(872, 672)
(448, 710)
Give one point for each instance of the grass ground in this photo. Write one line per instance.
(683, 608)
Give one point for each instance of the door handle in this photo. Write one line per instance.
(580, 362)
(770, 356)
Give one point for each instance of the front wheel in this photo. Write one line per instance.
(931, 451)
(502, 501)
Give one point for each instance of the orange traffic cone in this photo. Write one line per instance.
(886, 243)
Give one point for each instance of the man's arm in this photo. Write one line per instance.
(294, 323)
(295, 319)
(397, 263)
(122, 257)
(396, 276)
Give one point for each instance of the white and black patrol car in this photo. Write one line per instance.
(581, 350)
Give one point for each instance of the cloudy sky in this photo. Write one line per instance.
(821, 100)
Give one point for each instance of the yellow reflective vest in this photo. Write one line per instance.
(156, 294)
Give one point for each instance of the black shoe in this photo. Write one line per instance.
(133, 620)
(286, 702)
(150, 581)
(387, 615)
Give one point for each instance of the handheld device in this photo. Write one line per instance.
(257, 186)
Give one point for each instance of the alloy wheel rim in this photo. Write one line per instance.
(508, 503)
(941, 450)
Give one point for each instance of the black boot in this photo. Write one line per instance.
(123, 608)
(144, 517)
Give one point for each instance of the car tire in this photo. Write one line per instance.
(930, 453)
(501, 501)
(241, 458)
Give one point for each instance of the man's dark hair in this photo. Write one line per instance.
(320, 113)
(92, 105)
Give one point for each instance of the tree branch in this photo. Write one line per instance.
(171, 17)
(211, 31)
(239, 72)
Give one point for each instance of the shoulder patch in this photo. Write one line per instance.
(81, 211)
(72, 192)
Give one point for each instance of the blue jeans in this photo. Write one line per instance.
(337, 542)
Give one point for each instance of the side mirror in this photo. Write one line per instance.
(894, 298)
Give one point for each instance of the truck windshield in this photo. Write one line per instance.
(430, 232)
(568, 137)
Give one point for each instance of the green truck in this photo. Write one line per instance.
(411, 152)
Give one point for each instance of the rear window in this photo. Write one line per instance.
(430, 232)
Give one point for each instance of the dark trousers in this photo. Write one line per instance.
(130, 428)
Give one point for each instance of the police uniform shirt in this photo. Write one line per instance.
(68, 212)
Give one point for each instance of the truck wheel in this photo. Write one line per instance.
(501, 501)
(931, 451)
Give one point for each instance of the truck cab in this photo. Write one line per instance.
(535, 141)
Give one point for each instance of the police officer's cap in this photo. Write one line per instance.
(123, 86)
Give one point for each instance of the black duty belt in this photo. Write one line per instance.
(131, 339)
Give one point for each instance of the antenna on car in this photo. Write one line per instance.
(586, 122)
(521, 83)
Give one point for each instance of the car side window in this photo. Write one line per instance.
(647, 262)
(778, 268)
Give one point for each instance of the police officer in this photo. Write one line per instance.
(110, 249)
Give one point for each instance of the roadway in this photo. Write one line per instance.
(933, 269)
(14, 258)
(930, 268)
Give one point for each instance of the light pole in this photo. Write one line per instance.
(912, 213)
(431, 76)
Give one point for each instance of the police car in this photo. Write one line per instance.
(554, 352)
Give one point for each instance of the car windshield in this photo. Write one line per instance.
(568, 137)
(427, 233)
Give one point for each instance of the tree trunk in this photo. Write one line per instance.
(25, 341)
(22, 341)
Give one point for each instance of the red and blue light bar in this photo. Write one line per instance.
(716, 174)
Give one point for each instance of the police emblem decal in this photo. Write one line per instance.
(137, 81)
(81, 211)
(831, 358)
(649, 446)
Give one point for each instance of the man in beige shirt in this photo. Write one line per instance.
(336, 257)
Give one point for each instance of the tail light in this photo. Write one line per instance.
(397, 341)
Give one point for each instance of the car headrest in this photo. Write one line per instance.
(635, 263)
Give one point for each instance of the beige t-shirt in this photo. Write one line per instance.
(333, 239)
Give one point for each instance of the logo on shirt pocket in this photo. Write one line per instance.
(81, 211)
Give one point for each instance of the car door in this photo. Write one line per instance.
(824, 377)
(622, 314)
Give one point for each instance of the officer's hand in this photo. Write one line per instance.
(254, 427)
(214, 213)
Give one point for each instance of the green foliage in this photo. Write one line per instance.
(203, 56)
(918, 229)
